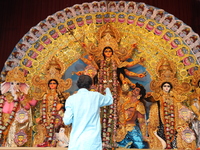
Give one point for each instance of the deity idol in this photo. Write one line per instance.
(50, 109)
(112, 72)
(132, 131)
(168, 126)
(15, 112)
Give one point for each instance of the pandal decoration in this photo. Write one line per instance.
(155, 38)
(196, 78)
(185, 113)
(188, 135)
(195, 95)
(20, 138)
(15, 75)
(22, 115)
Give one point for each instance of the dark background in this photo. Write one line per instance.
(18, 16)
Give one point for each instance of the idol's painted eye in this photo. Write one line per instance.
(53, 83)
(107, 51)
(166, 86)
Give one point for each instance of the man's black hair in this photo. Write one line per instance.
(84, 81)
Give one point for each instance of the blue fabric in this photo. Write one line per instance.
(83, 111)
(133, 139)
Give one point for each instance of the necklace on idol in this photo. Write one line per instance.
(5, 126)
(49, 125)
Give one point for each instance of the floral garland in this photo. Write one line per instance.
(108, 76)
(169, 120)
(5, 126)
(49, 127)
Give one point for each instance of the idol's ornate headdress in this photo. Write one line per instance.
(53, 69)
(109, 36)
(166, 72)
(15, 75)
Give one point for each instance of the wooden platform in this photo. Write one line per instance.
(52, 148)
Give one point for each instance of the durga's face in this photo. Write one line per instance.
(108, 53)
